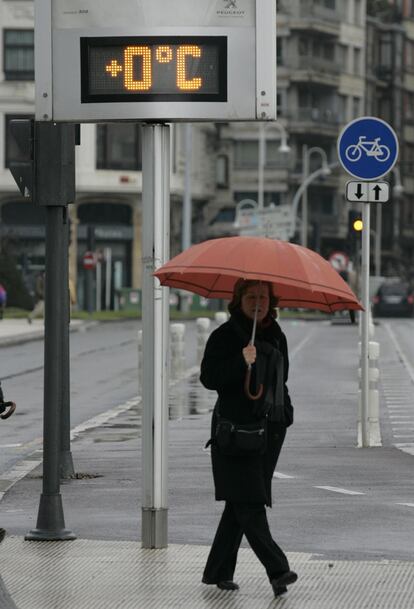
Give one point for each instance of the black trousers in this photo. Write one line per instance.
(237, 519)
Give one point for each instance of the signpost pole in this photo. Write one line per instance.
(155, 314)
(365, 436)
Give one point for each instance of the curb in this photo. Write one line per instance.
(39, 335)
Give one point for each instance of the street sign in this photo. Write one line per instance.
(339, 260)
(368, 192)
(368, 148)
(147, 60)
(89, 261)
(272, 221)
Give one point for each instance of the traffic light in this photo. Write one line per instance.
(22, 167)
(355, 224)
(45, 166)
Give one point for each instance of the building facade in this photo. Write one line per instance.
(107, 212)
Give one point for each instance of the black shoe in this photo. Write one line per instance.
(280, 591)
(279, 583)
(227, 585)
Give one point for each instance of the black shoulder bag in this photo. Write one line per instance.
(238, 440)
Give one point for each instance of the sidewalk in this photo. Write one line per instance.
(17, 331)
(106, 566)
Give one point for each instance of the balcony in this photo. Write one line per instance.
(323, 121)
(311, 69)
(308, 16)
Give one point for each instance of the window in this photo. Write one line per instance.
(357, 67)
(119, 147)
(409, 55)
(356, 107)
(279, 51)
(12, 151)
(222, 169)
(246, 154)
(19, 54)
(268, 197)
(408, 105)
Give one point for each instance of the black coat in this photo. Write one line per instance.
(241, 479)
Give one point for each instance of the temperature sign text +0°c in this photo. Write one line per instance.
(154, 69)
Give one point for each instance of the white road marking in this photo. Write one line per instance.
(282, 476)
(335, 489)
(298, 347)
(10, 445)
(407, 504)
(399, 351)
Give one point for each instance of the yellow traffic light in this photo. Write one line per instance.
(358, 225)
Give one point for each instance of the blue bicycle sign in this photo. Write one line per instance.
(368, 148)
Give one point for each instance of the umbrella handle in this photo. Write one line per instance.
(251, 396)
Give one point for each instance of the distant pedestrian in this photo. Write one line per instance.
(39, 308)
(244, 481)
(3, 300)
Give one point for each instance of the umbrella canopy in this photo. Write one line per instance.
(301, 278)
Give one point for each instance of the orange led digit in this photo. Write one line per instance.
(182, 83)
(154, 69)
(164, 54)
(130, 83)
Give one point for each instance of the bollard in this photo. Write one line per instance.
(203, 331)
(373, 406)
(221, 317)
(177, 350)
(373, 375)
(139, 345)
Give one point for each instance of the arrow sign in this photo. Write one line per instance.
(378, 192)
(368, 192)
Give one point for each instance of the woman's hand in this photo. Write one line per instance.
(249, 354)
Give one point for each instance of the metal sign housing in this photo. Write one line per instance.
(187, 60)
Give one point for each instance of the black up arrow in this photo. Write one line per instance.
(359, 192)
(377, 189)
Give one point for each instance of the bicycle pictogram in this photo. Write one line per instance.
(371, 148)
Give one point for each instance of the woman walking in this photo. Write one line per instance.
(244, 481)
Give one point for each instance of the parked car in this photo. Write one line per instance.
(394, 299)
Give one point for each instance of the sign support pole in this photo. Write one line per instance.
(155, 318)
(365, 439)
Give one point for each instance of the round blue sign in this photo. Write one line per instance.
(368, 148)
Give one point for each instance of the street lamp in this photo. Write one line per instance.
(284, 148)
(322, 171)
(306, 154)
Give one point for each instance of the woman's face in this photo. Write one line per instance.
(249, 300)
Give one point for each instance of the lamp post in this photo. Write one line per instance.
(397, 191)
(322, 171)
(306, 154)
(284, 147)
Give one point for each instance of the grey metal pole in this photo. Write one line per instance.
(187, 211)
(305, 174)
(260, 168)
(187, 207)
(365, 440)
(378, 238)
(50, 520)
(66, 462)
(155, 323)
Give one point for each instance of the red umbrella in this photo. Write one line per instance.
(301, 278)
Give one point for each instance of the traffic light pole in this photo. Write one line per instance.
(54, 187)
(66, 462)
(365, 431)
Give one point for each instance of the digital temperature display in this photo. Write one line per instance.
(154, 69)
